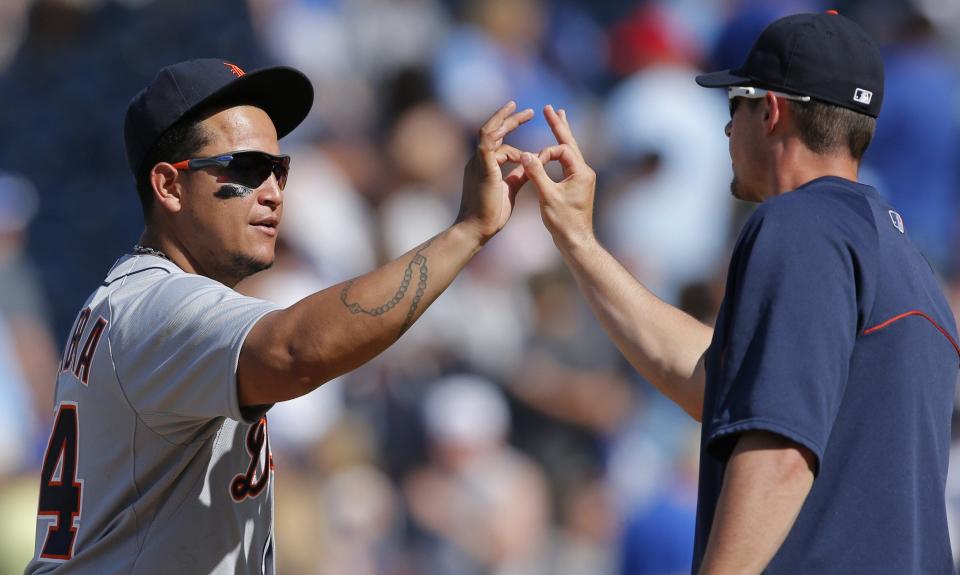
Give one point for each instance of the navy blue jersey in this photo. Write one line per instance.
(835, 334)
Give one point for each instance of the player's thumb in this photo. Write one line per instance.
(534, 170)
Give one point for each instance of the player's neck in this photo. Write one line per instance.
(150, 238)
(798, 165)
(180, 254)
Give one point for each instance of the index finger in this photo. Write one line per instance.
(569, 158)
(513, 121)
(498, 117)
(500, 124)
(561, 128)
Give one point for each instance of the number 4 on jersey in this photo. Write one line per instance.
(60, 489)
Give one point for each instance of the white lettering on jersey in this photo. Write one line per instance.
(79, 364)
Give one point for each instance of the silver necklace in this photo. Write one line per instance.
(144, 250)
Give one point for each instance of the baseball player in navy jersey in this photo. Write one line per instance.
(159, 458)
(826, 387)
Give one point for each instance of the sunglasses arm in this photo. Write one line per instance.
(199, 163)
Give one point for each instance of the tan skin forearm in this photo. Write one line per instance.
(661, 342)
(766, 482)
(664, 344)
(290, 352)
(340, 328)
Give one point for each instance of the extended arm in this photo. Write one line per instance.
(290, 352)
(765, 484)
(663, 343)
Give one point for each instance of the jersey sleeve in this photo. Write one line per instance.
(175, 346)
(791, 308)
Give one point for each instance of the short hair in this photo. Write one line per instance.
(179, 142)
(826, 128)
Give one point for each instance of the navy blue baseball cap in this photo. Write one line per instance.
(825, 56)
(285, 94)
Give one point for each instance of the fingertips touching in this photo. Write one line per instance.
(506, 152)
(551, 153)
(516, 179)
(516, 173)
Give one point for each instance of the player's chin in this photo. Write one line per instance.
(244, 265)
(256, 257)
(260, 245)
(739, 191)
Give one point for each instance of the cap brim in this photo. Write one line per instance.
(285, 94)
(723, 79)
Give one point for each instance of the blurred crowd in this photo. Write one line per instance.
(504, 434)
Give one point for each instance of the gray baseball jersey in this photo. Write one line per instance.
(152, 466)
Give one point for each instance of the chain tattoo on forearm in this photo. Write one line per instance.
(419, 260)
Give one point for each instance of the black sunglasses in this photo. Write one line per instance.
(246, 167)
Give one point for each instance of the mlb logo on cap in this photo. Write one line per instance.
(863, 96)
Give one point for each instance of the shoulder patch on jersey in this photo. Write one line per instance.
(897, 220)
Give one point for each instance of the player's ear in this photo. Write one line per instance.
(771, 112)
(166, 189)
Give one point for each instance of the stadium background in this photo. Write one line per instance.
(503, 434)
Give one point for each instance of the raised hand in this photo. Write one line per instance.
(566, 206)
(488, 197)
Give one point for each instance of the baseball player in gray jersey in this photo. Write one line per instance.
(159, 457)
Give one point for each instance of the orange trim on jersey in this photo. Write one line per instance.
(896, 318)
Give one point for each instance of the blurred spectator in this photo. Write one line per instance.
(28, 363)
(658, 531)
(667, 212)
(570, 371)
(924, 184)
(583, 542)
(13, 16)
(481, 503)
(28, 358)
(18, 427)
(426, 150)
(326, 220)
(361, 513)
(495, 57)
(346, 48)
(650, 36)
